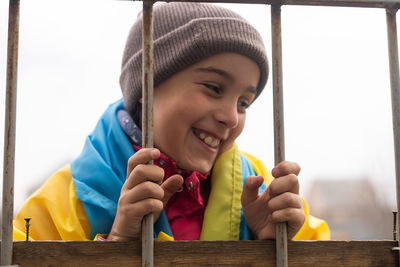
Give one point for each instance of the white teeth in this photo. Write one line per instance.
(215, 143)
(209, 140)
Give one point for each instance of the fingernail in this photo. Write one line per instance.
(154, 152)
(254, 180)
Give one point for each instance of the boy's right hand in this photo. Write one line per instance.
(142, 193)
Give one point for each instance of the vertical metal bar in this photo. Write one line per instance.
(394, 225)
(395, 86)
(9, 133)
(279, 137)
(147, 120)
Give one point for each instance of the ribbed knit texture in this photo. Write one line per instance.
(184, 34)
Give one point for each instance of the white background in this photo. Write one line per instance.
(338, 122)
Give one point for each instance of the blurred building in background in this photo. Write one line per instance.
(351, 208)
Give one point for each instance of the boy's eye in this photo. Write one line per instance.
(243, 104)
(213, 87)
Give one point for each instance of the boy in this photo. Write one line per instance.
(210, 65)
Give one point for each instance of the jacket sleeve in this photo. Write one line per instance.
(55, 212)
(313, 228)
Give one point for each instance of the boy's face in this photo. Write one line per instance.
(200, 111)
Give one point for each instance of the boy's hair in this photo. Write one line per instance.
(184, 34)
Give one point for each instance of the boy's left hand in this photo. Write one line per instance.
(280, 202)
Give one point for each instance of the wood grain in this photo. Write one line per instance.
(196, 253)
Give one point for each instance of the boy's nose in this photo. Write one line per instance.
(227, 114)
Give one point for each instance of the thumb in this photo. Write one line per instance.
(250, 189)
(170, 186)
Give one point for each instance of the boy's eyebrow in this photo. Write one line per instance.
(225, 75)
(220, 72)
(252, 89)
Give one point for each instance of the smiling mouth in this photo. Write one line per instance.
(209, 140)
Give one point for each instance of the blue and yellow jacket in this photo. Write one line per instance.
(80, 200)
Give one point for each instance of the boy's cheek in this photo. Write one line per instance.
(227, 144)
(225, 147)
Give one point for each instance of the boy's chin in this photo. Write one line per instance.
(204, 170)
(201, 167)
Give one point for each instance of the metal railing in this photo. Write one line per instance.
(9, 133)
(147, 120)
(391, 7)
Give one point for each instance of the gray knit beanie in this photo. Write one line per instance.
(184, 34)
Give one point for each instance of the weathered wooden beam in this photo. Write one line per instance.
(196, 253)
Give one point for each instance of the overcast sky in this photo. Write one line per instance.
(338, 122)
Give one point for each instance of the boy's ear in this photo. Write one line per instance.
(140, 101)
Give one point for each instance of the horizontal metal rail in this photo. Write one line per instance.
(333, 3)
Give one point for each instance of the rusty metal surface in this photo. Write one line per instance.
(277, 80)
(340, 3)
(279, 137)
(281, 245)
(9, 132)
(394, 225)
(147, 120)
(395, 87)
